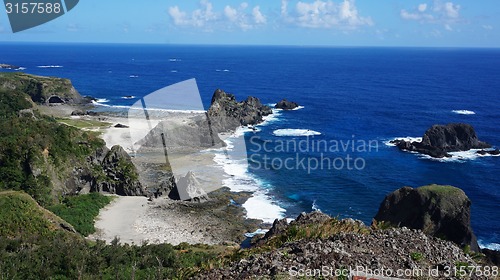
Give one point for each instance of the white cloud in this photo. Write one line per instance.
(487, 27)
(324, 14)
(258, 17)
(422, 7)
(207, 17)
(198, 18)
(445, 13)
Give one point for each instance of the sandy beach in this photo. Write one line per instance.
(135, 220)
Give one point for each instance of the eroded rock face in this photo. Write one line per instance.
(122, 176)
(439, 140)
(441, 211)
(286, 105)
(226, 113)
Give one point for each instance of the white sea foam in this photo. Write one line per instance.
(295, 132)
(50, 66)
(133, 76)
(102, 100)
(407, 139)
(462, 156)
(173, 71)
(315, 206)
(20, 69)
(260, 206)
(223, 70)
(298, 108)
(491, 246)
(174, 60)
(464, 112)
(128, 97)
(257, 232)
(149, 109)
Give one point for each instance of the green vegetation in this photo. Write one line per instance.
(416, 256)
(439, 190)
(84, 124)
(21, 216)
(40, 89)
(31, 145)
(80, 211)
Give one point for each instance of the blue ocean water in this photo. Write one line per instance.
(348, 94)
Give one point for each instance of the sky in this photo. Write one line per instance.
(419, 23)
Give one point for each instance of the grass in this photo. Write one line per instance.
(21, 216)
(416, 256)
(439, 189)
(80, 211)
(84, 124)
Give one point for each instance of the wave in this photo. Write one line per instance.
(102, 100)
(462, 156)
(50, 66)
(128, 97)
(491, 246)
(298, 108)
(20, 69)
(174, 60)
(238, 179)
(257, 232)
(315, 206)
(133, 76)
(295, 132)
(224, 70)
(407, 138)
(464, 112)
(174, 71)
(149, 109)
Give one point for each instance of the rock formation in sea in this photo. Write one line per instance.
(439, 140)
(286, 105)
(226, 113)
(441, 211)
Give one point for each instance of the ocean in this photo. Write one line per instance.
(332, 154)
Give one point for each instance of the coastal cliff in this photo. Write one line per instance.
(42, 90)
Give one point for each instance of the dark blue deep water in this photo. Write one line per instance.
(356, 94)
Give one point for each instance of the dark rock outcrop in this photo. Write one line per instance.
(286, 105)
(441, 211)
(122, 175)
(119, 125)
(226, 113)
(9, 67)
(439, 140)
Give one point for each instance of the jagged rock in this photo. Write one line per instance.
(492, 255)
(122, 177)
(441, 211)
(278, 227)
(495, 152)
(78, 113)
(286, 105)
(226, 113)
(9, 67)
(439, 140)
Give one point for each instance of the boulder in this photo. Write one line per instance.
(441, 211)
(119, 125)
(439, 140)
(286, 105)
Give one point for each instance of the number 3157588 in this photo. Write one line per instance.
(33, 8)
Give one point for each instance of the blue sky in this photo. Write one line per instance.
(435, 23)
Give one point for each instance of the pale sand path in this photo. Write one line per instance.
(118, 220)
